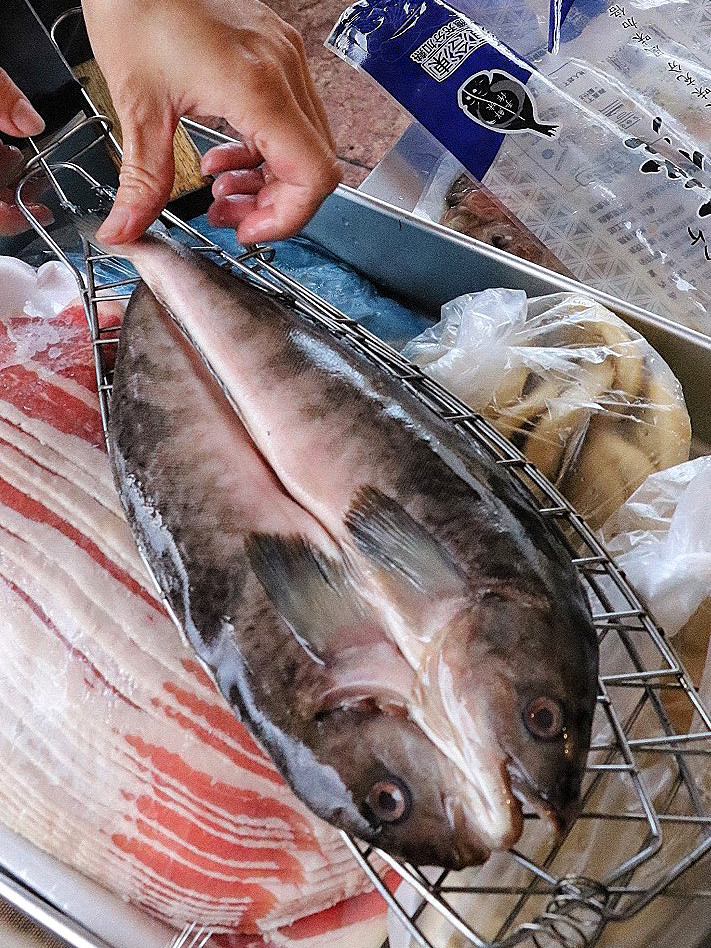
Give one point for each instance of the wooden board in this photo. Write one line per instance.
(188, 177)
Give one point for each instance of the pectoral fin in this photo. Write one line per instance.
(393, 540)
(312, 593)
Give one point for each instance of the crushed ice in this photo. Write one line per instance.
(30, 302)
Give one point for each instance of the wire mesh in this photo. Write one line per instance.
(646, 817)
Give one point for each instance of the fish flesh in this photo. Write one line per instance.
(379, 602)
(120, 758)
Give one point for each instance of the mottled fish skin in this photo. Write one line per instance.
(372, 536)
(193, 487)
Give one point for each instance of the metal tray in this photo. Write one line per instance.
(426, 265)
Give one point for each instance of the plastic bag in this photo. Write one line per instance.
(343, 287)
(38, 293)
(583, 395)
(451, 197)
(660, 538)
(600, 151)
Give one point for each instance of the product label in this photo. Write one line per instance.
(600, 151)
(442, 54)
(454, 76)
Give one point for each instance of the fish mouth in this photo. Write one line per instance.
(527, 791)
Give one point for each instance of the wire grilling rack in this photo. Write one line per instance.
(645, 825)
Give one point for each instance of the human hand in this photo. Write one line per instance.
(234, 58)
(17, 118)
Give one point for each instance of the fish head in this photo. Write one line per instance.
(519, 681)
(403, 794)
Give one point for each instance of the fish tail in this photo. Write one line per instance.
(551, 131)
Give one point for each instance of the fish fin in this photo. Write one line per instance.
(311, 592)
(392, 539)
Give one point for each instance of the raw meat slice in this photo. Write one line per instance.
(120, 756)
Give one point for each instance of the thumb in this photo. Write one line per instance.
(17, 116)
(147, 172)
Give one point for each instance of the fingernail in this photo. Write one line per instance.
(219, 187)
(264, 199)
(26, 119)
(248, 236)
(116, 224)
(210, 162)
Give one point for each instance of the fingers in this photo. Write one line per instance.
(12, 220)
(147, 171)
(300, 177)
(227, 157)
(17, 116)
(235, 195)
(282, 210)
(242, 181)
(232, 210)
(270, 184)
(300, 170)
(250, 68)
(249, 195)
(11, 162)
(262, 206)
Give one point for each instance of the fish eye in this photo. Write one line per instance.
(389, 801)
(544, 718)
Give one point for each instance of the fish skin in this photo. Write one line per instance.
(148, 407)
(466, 595)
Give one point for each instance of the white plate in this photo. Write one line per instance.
(116, 922)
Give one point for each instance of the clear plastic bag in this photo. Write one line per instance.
(660, 538)
(583, 395)
(451, 197)
(37, 293)
(601, 151)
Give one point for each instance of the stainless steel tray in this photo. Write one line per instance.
(427, 264)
